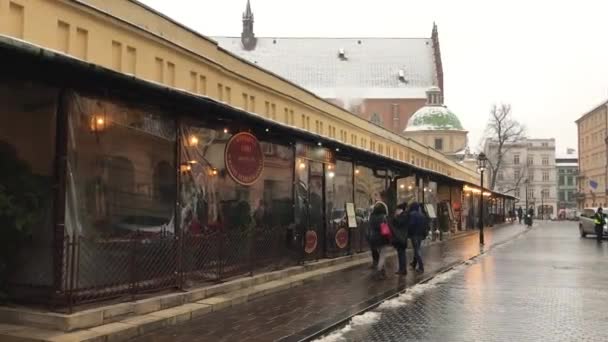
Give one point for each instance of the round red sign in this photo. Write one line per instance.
(244, 158)
(341, 238)
(311, 242)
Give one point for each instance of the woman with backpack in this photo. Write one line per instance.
(379, 237)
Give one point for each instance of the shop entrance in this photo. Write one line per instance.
(309, 207)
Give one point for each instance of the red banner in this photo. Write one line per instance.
(244, 158)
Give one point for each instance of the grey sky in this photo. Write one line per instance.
(548, 58)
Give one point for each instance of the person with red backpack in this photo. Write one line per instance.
(380, 237)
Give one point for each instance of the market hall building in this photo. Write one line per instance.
(139, 156)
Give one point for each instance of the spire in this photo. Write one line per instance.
(248, 13)
(247, 36)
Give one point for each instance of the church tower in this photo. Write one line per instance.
(247, 36)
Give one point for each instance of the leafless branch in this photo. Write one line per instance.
(501, 132)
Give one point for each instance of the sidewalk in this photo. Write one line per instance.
(301, 311)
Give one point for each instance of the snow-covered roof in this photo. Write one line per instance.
(367, 67)
(432, 118)
(564, 155)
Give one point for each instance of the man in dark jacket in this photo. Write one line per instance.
(400, 232)
(417, 230)
(600, 222)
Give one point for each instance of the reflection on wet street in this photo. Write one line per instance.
(323, 302)
(547, 285)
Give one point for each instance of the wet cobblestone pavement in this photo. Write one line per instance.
(547, 285)
(291, 312)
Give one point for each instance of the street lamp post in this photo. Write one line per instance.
(526, 182)
(481, 166)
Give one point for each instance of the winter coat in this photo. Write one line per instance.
(400, 230)
(599, 219)
(417, 222)
(376, 240)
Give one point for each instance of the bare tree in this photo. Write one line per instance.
(502, 131)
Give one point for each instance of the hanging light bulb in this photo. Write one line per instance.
(193, 140)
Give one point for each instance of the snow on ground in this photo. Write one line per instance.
(402, 299)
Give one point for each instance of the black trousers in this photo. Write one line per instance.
(375, 256)
(599, 233)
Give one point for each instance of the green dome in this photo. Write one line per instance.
(434, 118)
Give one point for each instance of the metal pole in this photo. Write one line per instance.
(481, 240)
(542, 204)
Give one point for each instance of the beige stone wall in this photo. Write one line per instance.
(592, 130)
(127, 37)
(453, 141)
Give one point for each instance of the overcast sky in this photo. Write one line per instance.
(547, 58)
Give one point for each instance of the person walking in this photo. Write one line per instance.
(418, 230)
(600, 221)
(368, 235)
(377, 237)
(520, 214)
(400, 232)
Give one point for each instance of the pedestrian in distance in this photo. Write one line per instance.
(379, 238)
(400, 233)
(520, 214)
(600, 221)
(417, 230)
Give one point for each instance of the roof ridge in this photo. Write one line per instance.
(312, 37)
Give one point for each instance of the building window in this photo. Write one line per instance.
(545, 176)
(530, 192)
(570, 180)
(531, 175)
(545, 144)
(545, 160)
(228, 95)
(273, 110)
(545, 193)
(517, 192)
(439, 144)
(562, 196)
(267, 109)
(516, 159)
(220, 92)
(561, 179)
(516, 174)
(530, 160)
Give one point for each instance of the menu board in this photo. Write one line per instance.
(350, 215)
(430, 209)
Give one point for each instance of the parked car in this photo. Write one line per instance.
(586, 223)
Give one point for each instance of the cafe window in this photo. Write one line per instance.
(122, 169)
(27, 153)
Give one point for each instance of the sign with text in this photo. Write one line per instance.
(315, 153)
(342, 238)
(244, 158)
(350, 215)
